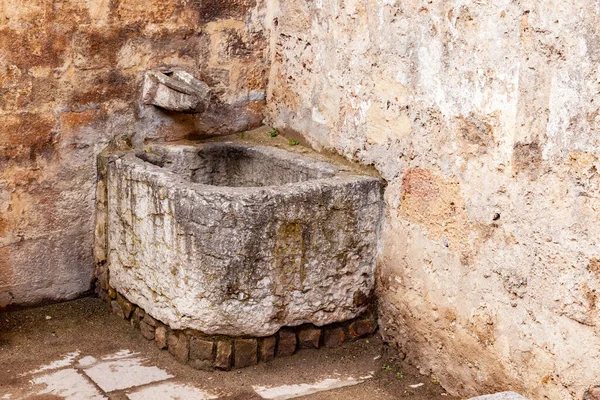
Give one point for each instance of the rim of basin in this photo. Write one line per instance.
(333, 174)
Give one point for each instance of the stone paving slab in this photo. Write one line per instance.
(293, 391)
(68, 384)
(500, 396)
(171, 391)
(124, 374)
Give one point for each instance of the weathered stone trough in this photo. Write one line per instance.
(240, 240)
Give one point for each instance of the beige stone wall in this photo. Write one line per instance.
(483, 118)
(70, 74)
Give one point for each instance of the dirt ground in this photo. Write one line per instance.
(34, 337)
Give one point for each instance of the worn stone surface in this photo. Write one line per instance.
(500, 396)
(592, 393)
(178, 345)
(266, 348)
(483, 118)
(309, 338)
(286, 346)
(150, 321)
(126, 306)
(147, 330)
(116, 308)
(361, 327)
(160, 336)
(175, 90)
(333, 337)
(201, 349)
(201, 353)
(224, 355)
(245, 353)
(136, 317)
(70, 76)
(282, 239)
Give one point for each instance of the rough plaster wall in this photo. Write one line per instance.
(69, 85)
(482, 116)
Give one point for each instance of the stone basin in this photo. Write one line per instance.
(240, 240)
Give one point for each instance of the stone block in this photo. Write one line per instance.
(245, 353)
(267, 348)
(150, 321)
(316, 186)
(287, 343)
(333, 337)
(201, 353)
(136, 318)
(148, 331)
(126, 306)
(500, 396)
(309, 338)
(175, 90)
(116, 308)
(160, 336)
(224, 355)
(178, 345)
(361, 327)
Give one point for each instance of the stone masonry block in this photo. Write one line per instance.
(360, 328)
(160, 337)
(148, 331)
(178, 345)
(126, 306)
(309, 338)
(267, 348)
(287, 343)
(136, 318)
(333, 337)
(224, 355)
(201, 353)
(116, 308)
(245, 352)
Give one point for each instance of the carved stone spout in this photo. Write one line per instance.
(175, 90)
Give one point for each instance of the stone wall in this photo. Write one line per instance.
(70, 74)
(483, 118)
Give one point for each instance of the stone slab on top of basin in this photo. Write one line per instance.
(240, 240)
